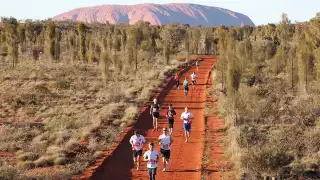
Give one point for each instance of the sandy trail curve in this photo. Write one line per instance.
(185, 158)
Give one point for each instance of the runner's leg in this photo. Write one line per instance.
(138, 162)
(154, 173)
(185, 134)
(150, 173)
(154, 122)
(164, 163)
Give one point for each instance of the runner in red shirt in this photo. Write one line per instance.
(176, 78)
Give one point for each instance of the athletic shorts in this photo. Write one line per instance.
(152, 172)
(186, 126)
(186, 88)
(136, 153)
(165, 153)
(193, 81)
(197, 65)
(156, 114)
(171, 122)
(177, 83)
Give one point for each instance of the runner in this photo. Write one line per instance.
(186, 86)
(170, 113)
(152, 158)
(155, 112)
(198, 64)
(137, 141)
(193, 78)
(187, 117)
(176, 78)
(165, 140)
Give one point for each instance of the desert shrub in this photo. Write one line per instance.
(28, 156)
(44, 161)
(8, 173)
(26, 165)
(61, 161)
(72, 143)
(63, 84)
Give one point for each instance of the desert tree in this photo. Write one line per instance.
(82, 43)
(71, 44)
(57, 40)
(21, 30)
(222, 34)
(123, 39)
(50, 41)
(135, 38)
(304, 59)
(12, 39)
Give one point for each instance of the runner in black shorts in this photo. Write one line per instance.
(155, 112)
(186, 86)
(137, 142)
(165, 140)
(193, 78)
(170, 115)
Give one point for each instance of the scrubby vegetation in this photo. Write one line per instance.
(268, 79)
(69, 89)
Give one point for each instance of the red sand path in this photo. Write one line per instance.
(216, 163)
(186, 158)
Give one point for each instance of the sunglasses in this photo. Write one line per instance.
(164, 130)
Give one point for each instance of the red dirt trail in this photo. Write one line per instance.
(216, 163)
(185, 158)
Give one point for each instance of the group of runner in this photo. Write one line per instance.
(165, 140)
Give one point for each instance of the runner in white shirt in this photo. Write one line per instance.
(165, 140)
(193, 78)
(137, 141)
(152, 158)
(198, 64)
(187, 117)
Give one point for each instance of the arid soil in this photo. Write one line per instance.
(216, 165)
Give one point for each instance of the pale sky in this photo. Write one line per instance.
(260, 11)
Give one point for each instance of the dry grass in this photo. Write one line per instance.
(271, 129)
(74, 106)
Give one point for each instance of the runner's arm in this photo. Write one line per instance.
(143, 140)
(151, 109)
(191, 117)
(145, 157)
(131, 141)
(171, 140)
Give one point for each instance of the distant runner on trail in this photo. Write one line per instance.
(176, 78)
(187, 117)
(198, 64)
(152, 158)
(193, 78)
(165, 140)
(137, 142)
(186, 86)
(170, 115)
(155, 112)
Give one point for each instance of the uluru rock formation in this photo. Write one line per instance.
(157, 14)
